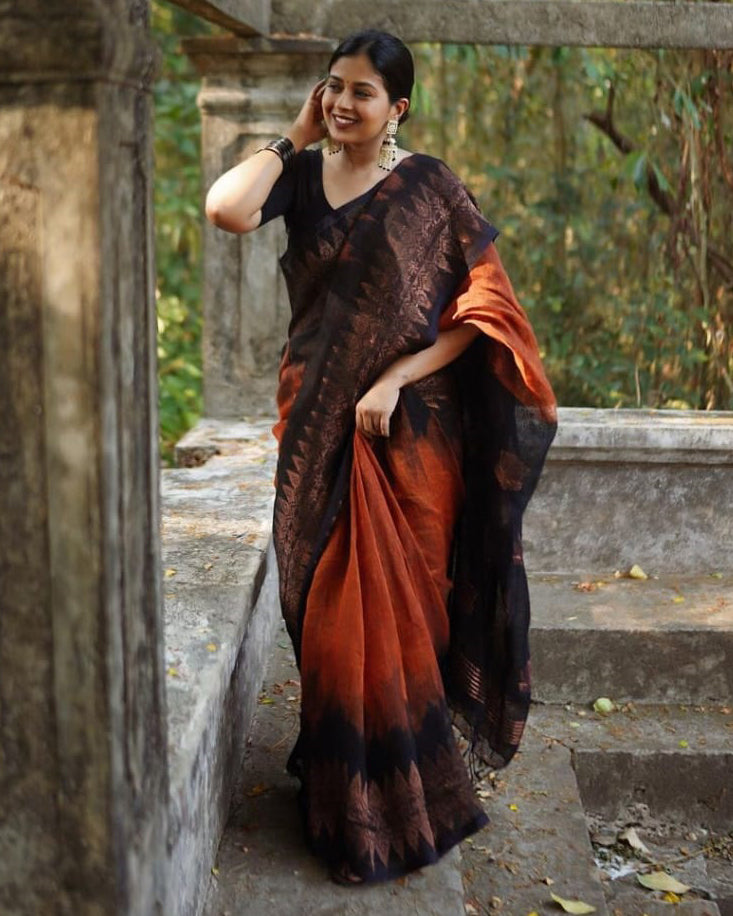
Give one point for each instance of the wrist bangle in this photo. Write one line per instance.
(284, 148)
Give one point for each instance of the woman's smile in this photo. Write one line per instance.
(344, 122)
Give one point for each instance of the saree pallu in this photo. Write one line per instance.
(401, 575)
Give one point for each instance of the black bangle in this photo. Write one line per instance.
(284, 148)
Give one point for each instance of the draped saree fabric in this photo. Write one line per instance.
(401, 574)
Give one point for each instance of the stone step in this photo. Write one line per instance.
(263, 866)
(567, 766)
(537, 842)
(676, 760)
(624, 768)
(659, 640)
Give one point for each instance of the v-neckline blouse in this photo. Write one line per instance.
(364, 194)
(299, 196)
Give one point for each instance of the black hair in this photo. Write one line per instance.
(389, 56)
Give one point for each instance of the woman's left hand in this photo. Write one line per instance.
(375, 409)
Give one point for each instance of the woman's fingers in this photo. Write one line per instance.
(310, 118)
(374, 410)
(372, 423)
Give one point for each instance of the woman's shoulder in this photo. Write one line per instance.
(434, 166)
(440, 176)
(308, 160)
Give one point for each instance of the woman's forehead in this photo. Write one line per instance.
(357, 69)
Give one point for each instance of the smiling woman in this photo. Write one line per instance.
(414, 420)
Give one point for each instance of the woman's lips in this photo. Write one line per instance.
(343, 122)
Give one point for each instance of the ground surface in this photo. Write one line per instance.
(540, 840)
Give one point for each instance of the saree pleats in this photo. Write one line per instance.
(385, 789)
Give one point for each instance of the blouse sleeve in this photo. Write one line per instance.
(281, 197)
(295, 190)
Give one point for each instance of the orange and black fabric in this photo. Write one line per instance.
(401, 574)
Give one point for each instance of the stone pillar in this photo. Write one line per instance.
(83, 776)
(252, 90)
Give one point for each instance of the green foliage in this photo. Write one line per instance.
(610, 177)
(177, 228)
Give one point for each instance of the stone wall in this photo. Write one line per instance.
(625, 487)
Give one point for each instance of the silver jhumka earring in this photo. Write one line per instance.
(388, 151)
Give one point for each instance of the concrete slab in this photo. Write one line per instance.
(661, 640)
(653, 487)
(263, 866)
(225, 437)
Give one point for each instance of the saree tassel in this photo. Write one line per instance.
(388, 151)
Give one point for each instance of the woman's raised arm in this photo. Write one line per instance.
(234, 202)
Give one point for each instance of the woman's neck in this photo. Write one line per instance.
(360, 157)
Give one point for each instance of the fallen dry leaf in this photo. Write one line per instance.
(577, 907)
(661, 881)
(636, 572)
(169, 573)
(632, 838)
(586, 586)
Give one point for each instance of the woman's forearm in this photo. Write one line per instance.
(374, 410)
(447, 347)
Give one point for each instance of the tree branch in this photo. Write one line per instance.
(603, 120)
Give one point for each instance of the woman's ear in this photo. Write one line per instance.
(399, 108)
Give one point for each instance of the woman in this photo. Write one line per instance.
(414, 420)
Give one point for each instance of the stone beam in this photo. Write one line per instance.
(589, 23)
(243, 17)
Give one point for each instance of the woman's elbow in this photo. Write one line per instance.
(224, 217)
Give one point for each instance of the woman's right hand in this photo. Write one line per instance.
(308, 127)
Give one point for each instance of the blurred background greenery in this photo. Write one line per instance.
(178, 218)
(608, 172)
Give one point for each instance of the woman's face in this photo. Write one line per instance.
(356, 106)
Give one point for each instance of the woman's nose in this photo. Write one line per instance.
(343, 99)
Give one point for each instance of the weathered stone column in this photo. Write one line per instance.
(252, 90)
(83, 777)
